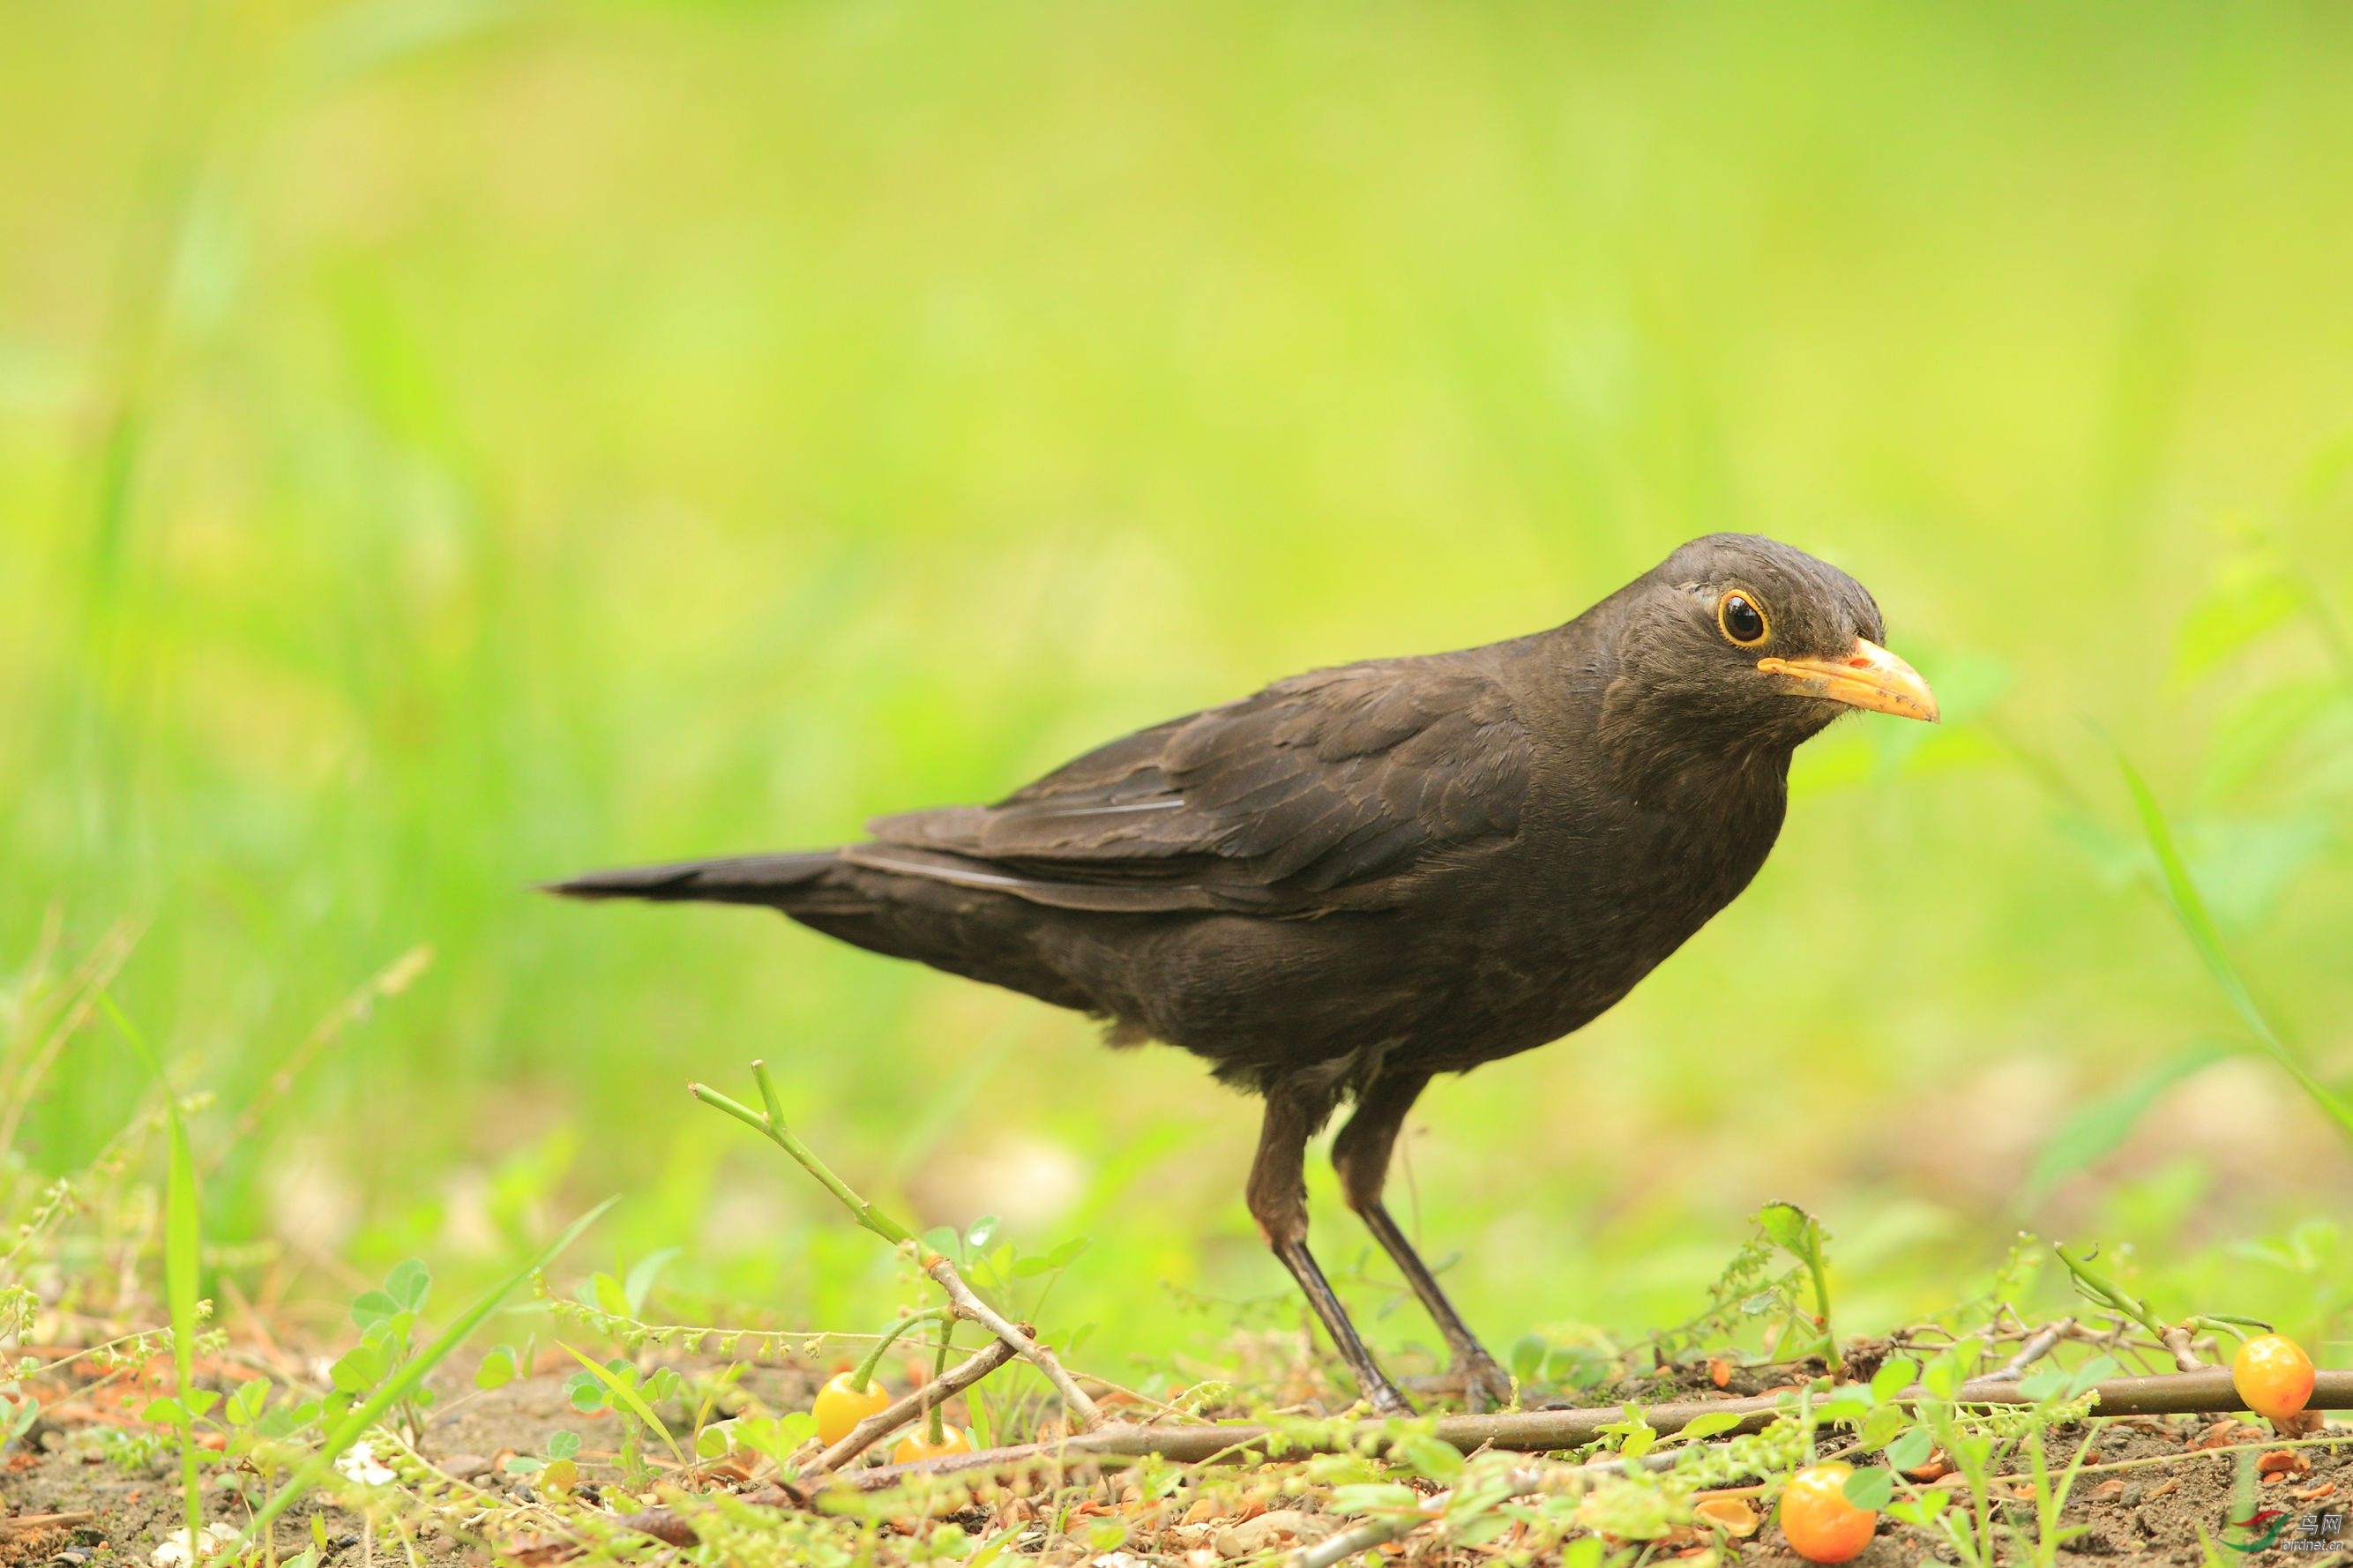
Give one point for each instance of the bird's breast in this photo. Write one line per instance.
(1585, 904)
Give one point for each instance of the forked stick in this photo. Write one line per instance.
(911, 1407)
(772, 1126)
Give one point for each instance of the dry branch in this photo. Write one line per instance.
(2206, 1391)
(2038, 1345)
(912, 1407)
(969, 1305)
(26, 1523)
(769, 1122)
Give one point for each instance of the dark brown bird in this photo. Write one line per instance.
(1366, 876)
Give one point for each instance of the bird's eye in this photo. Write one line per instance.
(1739, 619)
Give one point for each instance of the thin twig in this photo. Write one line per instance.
(911, 1407)
(770, 1123)
(2108, 1293)
(25, 1524)
(2042, 1344)
(772, 1127)
(1074, 1399)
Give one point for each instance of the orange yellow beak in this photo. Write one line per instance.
(1868, 677)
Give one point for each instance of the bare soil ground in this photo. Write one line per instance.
(2154, 1491)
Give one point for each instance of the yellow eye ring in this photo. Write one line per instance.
(1741, 619)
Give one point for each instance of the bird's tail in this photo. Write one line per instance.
(797, 883)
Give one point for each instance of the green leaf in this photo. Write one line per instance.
(1375, 1497)
(562, 1444)
(498, 1369)
(2250, 597)
(983, 1232)
(165, 1412)
(1944, 1376)
(1786, 1224)
(639, 1286)
(1479, 1529)
(1911, 1451)
(2199, 923)
(1527, 1357)
(357, 1370)
(1881, 1426)
(610, 1297)
(711, 1441)
(626, 1395)
(1870, 1487)
(370, 1308)
(409, 1283)
(1895, 1375)
(413, 1372)
(246, 1403)
(2100, 1125)
(2093, 1372)
(1713, 1422)
(1432, 1459)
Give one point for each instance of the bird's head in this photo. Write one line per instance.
(1738, 647)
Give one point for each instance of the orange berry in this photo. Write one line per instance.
(841, 1404)
(2272, 1374)
(1821, 1525)
(917, 1445)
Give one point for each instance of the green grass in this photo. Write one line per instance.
(446, 448)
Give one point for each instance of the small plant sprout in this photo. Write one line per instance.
(386, 1318)
(1802, 1236)
(962, 1301)
(617, 1385)
(558, 1469)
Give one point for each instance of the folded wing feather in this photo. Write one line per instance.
(1334, 780)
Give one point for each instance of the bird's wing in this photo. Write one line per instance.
(1329, 781)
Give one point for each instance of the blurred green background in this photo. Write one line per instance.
(446, 444)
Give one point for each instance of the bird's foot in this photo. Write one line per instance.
(1486, 1385)
(1385, 1398)
(1475, 1379)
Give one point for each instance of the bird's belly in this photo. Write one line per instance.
(1349, 995)
(1442, 985)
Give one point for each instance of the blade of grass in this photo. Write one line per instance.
(400, 1385)
(181, 1235)
(2190, 907)
(631, 1397)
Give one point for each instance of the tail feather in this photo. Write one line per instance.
(788, 881)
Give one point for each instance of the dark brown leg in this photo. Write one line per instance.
(1278, 1201)
(1361, 1155)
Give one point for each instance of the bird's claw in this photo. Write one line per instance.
(1485, 1383)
